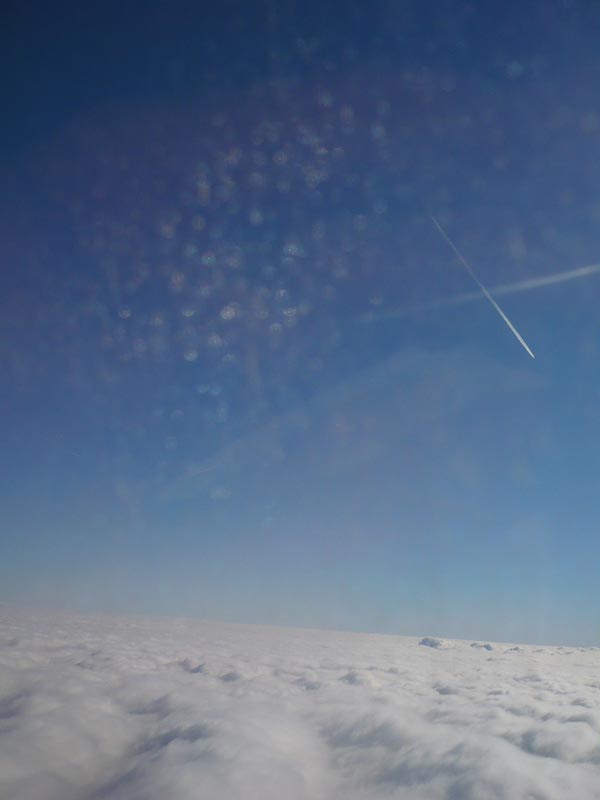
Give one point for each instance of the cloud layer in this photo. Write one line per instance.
(129, 709)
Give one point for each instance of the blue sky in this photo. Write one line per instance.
(211, 407)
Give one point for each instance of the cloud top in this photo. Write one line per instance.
(130, 709)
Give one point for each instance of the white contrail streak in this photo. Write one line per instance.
(467, 266)
(505, 288)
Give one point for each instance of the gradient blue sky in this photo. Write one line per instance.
(208, 410)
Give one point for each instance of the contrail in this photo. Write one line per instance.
(467, 266)
(505, 288)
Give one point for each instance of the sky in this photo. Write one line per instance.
(237, 385)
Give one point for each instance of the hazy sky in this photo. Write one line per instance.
(210, 408)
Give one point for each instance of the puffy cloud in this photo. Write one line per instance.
(124, 709)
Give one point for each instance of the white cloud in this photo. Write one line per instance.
(124, 709)
(432, 641)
